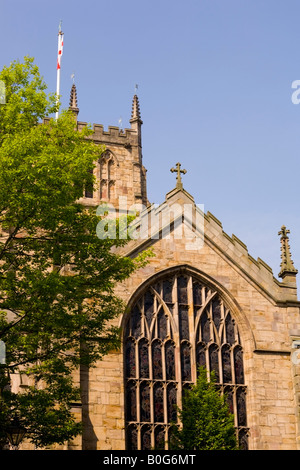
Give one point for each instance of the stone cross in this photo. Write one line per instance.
(283, 231)
(178, 177)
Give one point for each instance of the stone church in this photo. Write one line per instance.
(208, 303)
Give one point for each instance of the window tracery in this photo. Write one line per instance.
(177, 325)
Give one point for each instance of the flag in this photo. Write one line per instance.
(59, 54)
(60, 49)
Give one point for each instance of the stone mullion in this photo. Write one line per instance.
(177, 349)
(151, 390)
(232, 365)
(138, 401)
(151, 383)
(192, 332)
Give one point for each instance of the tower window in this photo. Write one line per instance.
(107, 176)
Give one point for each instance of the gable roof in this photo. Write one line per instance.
(179, 214)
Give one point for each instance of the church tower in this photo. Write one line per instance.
(119, 171)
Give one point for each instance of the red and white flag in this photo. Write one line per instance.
(60, 49)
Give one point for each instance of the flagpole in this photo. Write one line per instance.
(57, 90)
(59, 54)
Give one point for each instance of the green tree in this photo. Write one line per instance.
(57, 277)
(206, 423)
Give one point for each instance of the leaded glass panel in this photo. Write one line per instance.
(171, 403)
(157, 360)
(132, 437)
(201, 355)
(145, 402)
(226, 364)
(216, 312)
(144, 359)
(205, 327)
(159, 434)
(131, 401)
(228, 392)
(162, 325)
(197, 293)
(167, 290)
(170, 361)
(183, 315)
(136, 322)
(243, 439)
(158, 394)
(182, 290)
(146, 437)
(229, 326)
(238, 365)
(149, 306)
(130, 363)
(185, 362)
(241, 407)
(214, 360)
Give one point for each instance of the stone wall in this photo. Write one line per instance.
(268, 318)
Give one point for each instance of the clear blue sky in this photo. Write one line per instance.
(215, 91)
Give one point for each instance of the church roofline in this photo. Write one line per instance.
(230, 248)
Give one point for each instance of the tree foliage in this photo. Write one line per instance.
(57, 277)
(206, 423)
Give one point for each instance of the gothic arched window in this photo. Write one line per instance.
(107, 175)
(175, 326)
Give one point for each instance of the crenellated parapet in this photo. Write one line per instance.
(113, 135)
